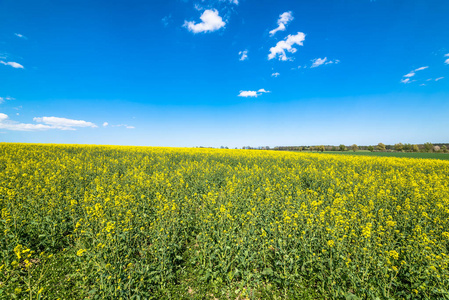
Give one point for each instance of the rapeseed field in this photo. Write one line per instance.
(109, 222)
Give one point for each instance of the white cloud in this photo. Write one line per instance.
(6, 123)
(166, 20)
(323, 61)
(243, 55)
(247, 94)
(446, 55)
(336, 61)
(439, 78)
(12, 64)
(211, 21)
(20, 35)
(284, 19)
(318, 62)
(413, 73)
(63, 123)
(124, 125)
(422, 68)
(236, 2)
(3, 99)
(105, 124)
(275, 74)
(446, 61)
(286, 45)
(406, 80)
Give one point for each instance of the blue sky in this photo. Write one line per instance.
(224, 72)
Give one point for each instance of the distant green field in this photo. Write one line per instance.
(444, 156)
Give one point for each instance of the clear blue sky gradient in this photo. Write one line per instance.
(134, 63)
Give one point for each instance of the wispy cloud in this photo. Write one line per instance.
(406, 80)
(255, 94)
(236, 2)
(20, 36)
(439, 78)
(45, 123)
(421, 68)
(411, 74)
(166, 20)
(323, 61)
(12, 64)
(106, 124)
(276, 74)
(3, 99)
(318, 62)
(243, 55)
(283, 20)
(6, 123)
(124, 125)
(63, 123)
(210, 21)
(286, 45)
(447, 60)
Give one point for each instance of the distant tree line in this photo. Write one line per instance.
(380, 147)
(399, 147)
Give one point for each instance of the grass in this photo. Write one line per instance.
(443, 156)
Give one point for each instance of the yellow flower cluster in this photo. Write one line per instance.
(128, 220)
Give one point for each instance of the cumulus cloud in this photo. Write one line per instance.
(248, 94)
(276, 74)
(243, 55)
(439, 78)
(411, 74)
(283, 20)
(12, 64)
(286, 45)
(255, 94)
(105, 124)
(210, 21)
